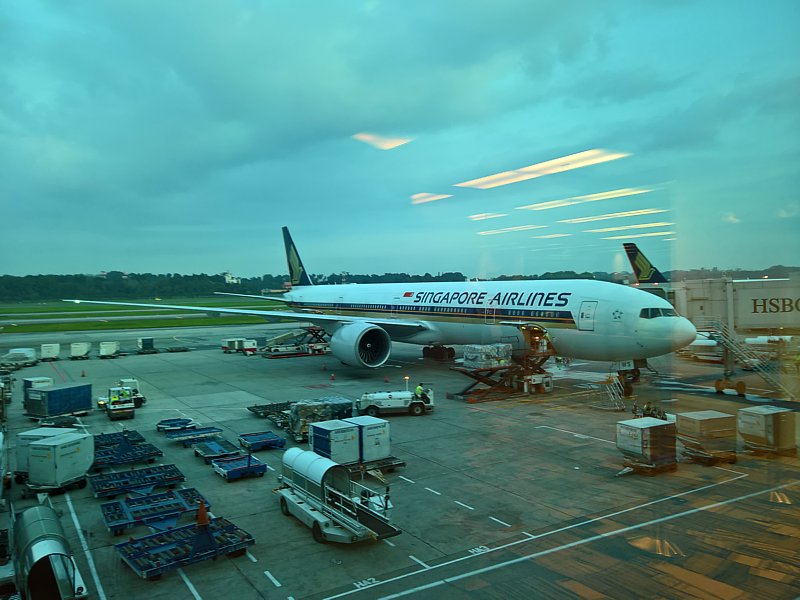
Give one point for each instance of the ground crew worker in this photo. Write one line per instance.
(420, 392)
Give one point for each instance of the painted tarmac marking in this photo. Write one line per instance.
(499, 521)
(189, 585)
(576, 434)
(389, 543)
(418, 561)
(584, 541)
(464, 505)
(434, 491)
(250, 556)
(529, 537)
(406, 479)
(731, 471)
(272, 579)
(100, 593)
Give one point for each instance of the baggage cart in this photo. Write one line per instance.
(160, 511)
(104, 440)
(125, 453)
(140, 481)
(178, 424)
(153, 555)
(277, 412)
(238, 467)
(211, 449)
(258, 440)
(192, 436)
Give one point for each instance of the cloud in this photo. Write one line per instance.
(731, 218)
(789, 211)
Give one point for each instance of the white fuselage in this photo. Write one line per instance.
(585, 319)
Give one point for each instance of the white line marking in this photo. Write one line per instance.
(575, 434)
(189, 585)
(584, 541)
(730, 471)
(100, 593)
(499, 521)
(272, 579)
(434, 491)
(530, 537)
(464, 505)
(418, 561)
(270, 468)
(406, 479)
(250, 556)
(389, 543)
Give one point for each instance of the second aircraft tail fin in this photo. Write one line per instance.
(297, 272)
(643, 270)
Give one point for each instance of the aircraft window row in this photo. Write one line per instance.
(652, 313)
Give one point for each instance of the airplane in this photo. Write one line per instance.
(584, 319)
(643, 269)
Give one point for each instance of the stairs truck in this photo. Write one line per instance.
(319, 493)
(377, 403)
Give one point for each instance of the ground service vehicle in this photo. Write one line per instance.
(376, 403)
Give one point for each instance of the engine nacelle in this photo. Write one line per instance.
(361, 345)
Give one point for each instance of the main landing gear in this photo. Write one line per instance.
(438, 352)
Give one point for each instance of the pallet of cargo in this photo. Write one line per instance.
(160, 511)
(153, 555)
(177, 424)
(275, 412)
(125, 453)
(140, 481)
(258, 440)
(238, 467)
(211, 449)
(103, 440)
(192, 436)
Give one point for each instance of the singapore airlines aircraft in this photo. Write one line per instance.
(584, 319)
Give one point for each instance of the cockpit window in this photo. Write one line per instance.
(652, 313)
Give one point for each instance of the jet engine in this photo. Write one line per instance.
(361, 345)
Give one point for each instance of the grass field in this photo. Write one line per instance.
(92, 317)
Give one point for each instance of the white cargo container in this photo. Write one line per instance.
(50, 351)
(767, 428)
(59, 461)
(249, 347)
(109, 349)
(707, 435)
(79, 350)
(336, 440)
(25, 438)
(232, 345)
(647, 440)
(374, 441)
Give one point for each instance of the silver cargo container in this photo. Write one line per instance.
(374, 442)
(336, 440)
(647, 440)
(767, 428)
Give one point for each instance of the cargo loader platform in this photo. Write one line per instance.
(140, 481)
(238, 467)
(153, 555)
(260, 440)
(160, 511)
(209, 450)
(192, 436)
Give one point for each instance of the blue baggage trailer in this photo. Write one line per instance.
(103, 440)
(237, 467)
(125, 453)
(160, 511)
(192, 436)
(211, 449)
(140, 481)
(258, 440)
(153, 555)
(177, 424)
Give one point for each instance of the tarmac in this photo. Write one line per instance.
(514, 498)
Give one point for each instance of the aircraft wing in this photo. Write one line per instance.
(273, 298)
(394, 327)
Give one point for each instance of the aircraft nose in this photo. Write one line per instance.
(683, 333)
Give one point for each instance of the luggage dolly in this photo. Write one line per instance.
(646, 468)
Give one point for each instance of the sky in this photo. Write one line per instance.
(179, 137)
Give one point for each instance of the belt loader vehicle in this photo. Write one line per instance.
(376, 403)
(320, 494)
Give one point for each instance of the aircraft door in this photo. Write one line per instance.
(488, 315)
(586, 315)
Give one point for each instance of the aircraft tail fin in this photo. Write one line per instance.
(643, 269)
(298, 275)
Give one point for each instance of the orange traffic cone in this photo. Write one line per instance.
(202, 514)
(333, 377)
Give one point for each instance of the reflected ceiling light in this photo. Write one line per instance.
(621, 193)
(379, 141)
(619, 215)
(638, 235)
(484, 216)
(552, 235)
(510, 229)
(557, 165)
(622, 228)
(426, 197)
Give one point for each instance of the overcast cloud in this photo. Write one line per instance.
(180, 136)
